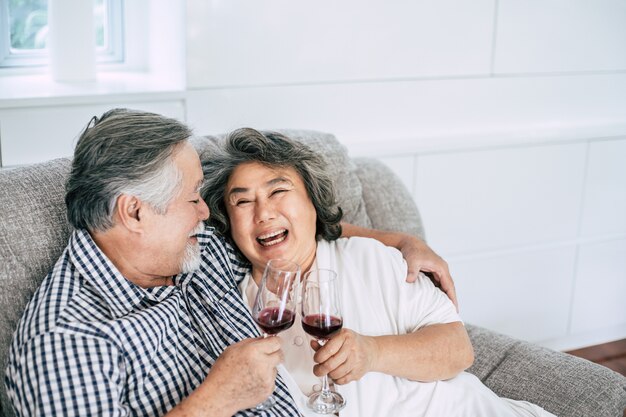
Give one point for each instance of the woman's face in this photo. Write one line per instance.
(271, 215)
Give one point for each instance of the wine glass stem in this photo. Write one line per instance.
(325, 388)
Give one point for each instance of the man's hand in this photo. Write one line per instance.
(346, 357)
(246, 371)
(242, 377)
(420, 257)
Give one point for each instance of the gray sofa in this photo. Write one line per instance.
(34, 231)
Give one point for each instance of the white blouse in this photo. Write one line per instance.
(376, 300)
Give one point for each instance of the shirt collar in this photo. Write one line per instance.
(205, 236)
(121, 295)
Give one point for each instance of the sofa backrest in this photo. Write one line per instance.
(33, 233)
(34, 229)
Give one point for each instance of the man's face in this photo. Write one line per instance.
(271, 214)
(170, 237)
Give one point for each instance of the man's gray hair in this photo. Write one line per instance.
(123, 152)
(274, 150)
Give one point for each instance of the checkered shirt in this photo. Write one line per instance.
(91, 343)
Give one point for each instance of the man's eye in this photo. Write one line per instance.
(242, 203)
(195, 201)
(278, 191)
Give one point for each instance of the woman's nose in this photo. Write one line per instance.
(264, 211)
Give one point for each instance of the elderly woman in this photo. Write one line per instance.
(403, 348)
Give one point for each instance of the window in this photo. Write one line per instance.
(24, 32)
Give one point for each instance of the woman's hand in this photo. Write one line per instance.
(420, 257)
(346, 357)
(432, 353)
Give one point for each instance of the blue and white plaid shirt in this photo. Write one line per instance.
(91, 343)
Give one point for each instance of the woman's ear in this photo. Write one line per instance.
(128, 211)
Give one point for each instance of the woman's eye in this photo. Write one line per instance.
(195, 201)
(242, 203)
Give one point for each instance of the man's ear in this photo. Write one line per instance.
(128, 210)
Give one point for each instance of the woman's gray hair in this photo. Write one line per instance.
(123, 152)
(274, 150)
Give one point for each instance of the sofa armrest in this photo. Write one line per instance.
(563, 384)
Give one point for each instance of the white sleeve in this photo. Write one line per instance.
(420, 304)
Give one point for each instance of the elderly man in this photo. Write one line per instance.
(141, 314)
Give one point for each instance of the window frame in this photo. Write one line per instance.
(112, 52)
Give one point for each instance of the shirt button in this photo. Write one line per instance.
(316, 388)
(298, 341)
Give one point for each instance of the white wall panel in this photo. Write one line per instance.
(483, 200)
(558, 35)
(238, 42)
(525, 295)
(600, 286)
(434, 113)
(604, 210)
(31, 135)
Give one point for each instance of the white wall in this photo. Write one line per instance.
(430, 72)
(505, 119)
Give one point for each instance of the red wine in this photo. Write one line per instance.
(321, 325)
(272, 321)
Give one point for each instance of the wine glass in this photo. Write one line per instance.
(274, 308)
(321, 317)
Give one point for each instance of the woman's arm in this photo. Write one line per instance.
(441, 350)
(418, 255)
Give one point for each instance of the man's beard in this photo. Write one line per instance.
(191, 260)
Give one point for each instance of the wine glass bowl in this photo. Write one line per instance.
(274, 308)
(273, 320)
(321, 317)
(321, 326)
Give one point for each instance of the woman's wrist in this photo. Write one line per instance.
(374, 353)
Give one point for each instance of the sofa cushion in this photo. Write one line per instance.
(562, 384)
(490, 349)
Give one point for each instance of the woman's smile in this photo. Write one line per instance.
(272, 238)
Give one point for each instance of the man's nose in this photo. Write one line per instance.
(203, 210)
